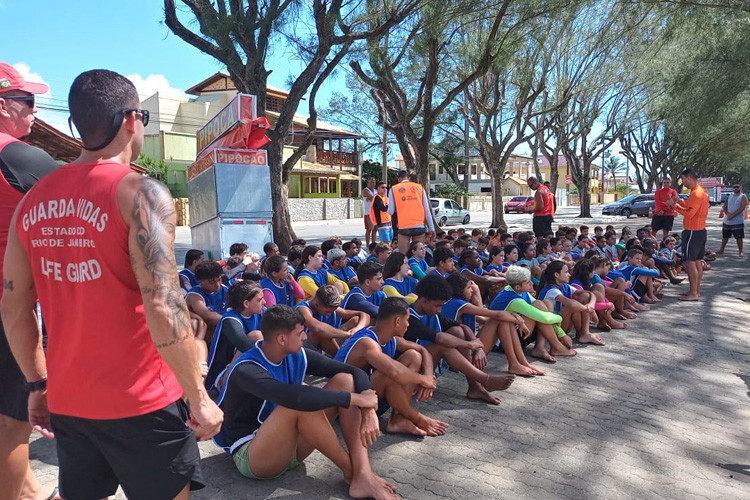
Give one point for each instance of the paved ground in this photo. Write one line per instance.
(663, 411)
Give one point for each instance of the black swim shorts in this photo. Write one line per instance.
(14, 399)
(661, 222)
(694, 244)
(412, 231)
(150, 456)
(541, 224)
(736, 231)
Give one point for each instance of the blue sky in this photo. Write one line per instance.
(55, 41)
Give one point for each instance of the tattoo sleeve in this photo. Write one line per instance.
(153, 257)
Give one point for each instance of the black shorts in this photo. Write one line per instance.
(150, 456)
(14, 399)
(412, 231)
(638, 290)
(736, 231)
(693, 244)
(541, 224)
(660, 222)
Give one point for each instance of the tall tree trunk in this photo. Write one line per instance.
(583, 192)
(283, 234)
(498, 218)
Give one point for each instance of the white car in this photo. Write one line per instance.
(447, 211)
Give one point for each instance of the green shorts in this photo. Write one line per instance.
(242, 463)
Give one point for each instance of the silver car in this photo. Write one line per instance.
(635, 204)
(447, 211)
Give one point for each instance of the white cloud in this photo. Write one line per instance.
(29, 75)
(52, 109)
(156, 83)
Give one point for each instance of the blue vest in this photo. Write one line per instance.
(422, 263)
(431, 321)
(190, 276)
(284, 293)
(404, 287)
(332, 319)
(435, 271)
(566, 289)
(451, 309)
(216, 302)
(344, 274)
(248, 325)
(320, 278)
(500, 269)
(507, 296)
(375, 298)
(291, 370)
(388, 348)
(477, 270)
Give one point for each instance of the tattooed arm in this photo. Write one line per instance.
(148, 209)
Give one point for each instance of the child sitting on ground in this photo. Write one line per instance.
(642, 278)
(397, 282)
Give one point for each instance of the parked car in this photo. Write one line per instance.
(449, 212)
(518, 204)
(635, 204)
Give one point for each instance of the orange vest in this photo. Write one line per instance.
(384, 215)
(409, 204)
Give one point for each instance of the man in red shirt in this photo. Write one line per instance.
(21, 165)
(663, 213)
(94, 241)
(543, 207)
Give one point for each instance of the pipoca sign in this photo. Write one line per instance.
(242, 108)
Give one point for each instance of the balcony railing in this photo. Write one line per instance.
(335, 158)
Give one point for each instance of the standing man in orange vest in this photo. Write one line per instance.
(379, 216)
(543, 207)
(21, 165)
(694, 211)
(409, 201)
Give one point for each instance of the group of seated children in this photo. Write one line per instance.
(381, 327)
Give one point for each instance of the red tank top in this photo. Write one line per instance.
(101, 361)
(549, 204)
(9, 199)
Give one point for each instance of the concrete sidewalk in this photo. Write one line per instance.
(662, 411)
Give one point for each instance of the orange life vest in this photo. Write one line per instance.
(384, 215)
(409, 204)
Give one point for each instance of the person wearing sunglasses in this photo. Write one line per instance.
(125, 400)
(21, 165)
(734, 222)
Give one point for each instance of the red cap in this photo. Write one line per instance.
(11, 79)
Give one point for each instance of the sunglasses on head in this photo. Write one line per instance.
(28, 99)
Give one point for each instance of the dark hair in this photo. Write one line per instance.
(630, 243)
(233, 261)
(633, 252)
(274, 264)
(299, 242)
(295, 252)
(96, 101)
(280, 319)
(599, 238)
(458, 283)
(347, 246)
(208, 270)
(367, 271)
(392, 264)
(525, 246)
(525, 237)
(441, 255)
(381, 183)
(308, 252)
(509, 248)
(483, 240)
(496, 250)
(598, 228)
(581, 272)
(459, 243)
(491, 233)
(327, 245)
(270, 246)
(689, 172)
(237, 248)
(476, 232)
(240, 292)
(505, 236)
(541, 244)
(357, 242)
(609, 227)
(433, 287)
(598, 260)
(392, 306)
(465, 255)
(554, 241)
(609, 234)
(191, 256)
(380, 248)
(589, 254)
(548, 276)
(582, 237)
(442, 243)
(584, 227)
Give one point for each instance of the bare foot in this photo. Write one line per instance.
(371, 486)
(690, 298)
(431, 426)
(564, 352)
(542, 354)
(498, 382)
(676, 281)
(482, 394)
(538, 371)
(590, 338)
(720, 251)
(567, 341)
(522, 370)
(602, 325)
(618, 325)
(402, 425)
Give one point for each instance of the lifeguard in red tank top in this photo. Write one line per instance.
(102, 363)
(548, 208)
(9, 199)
